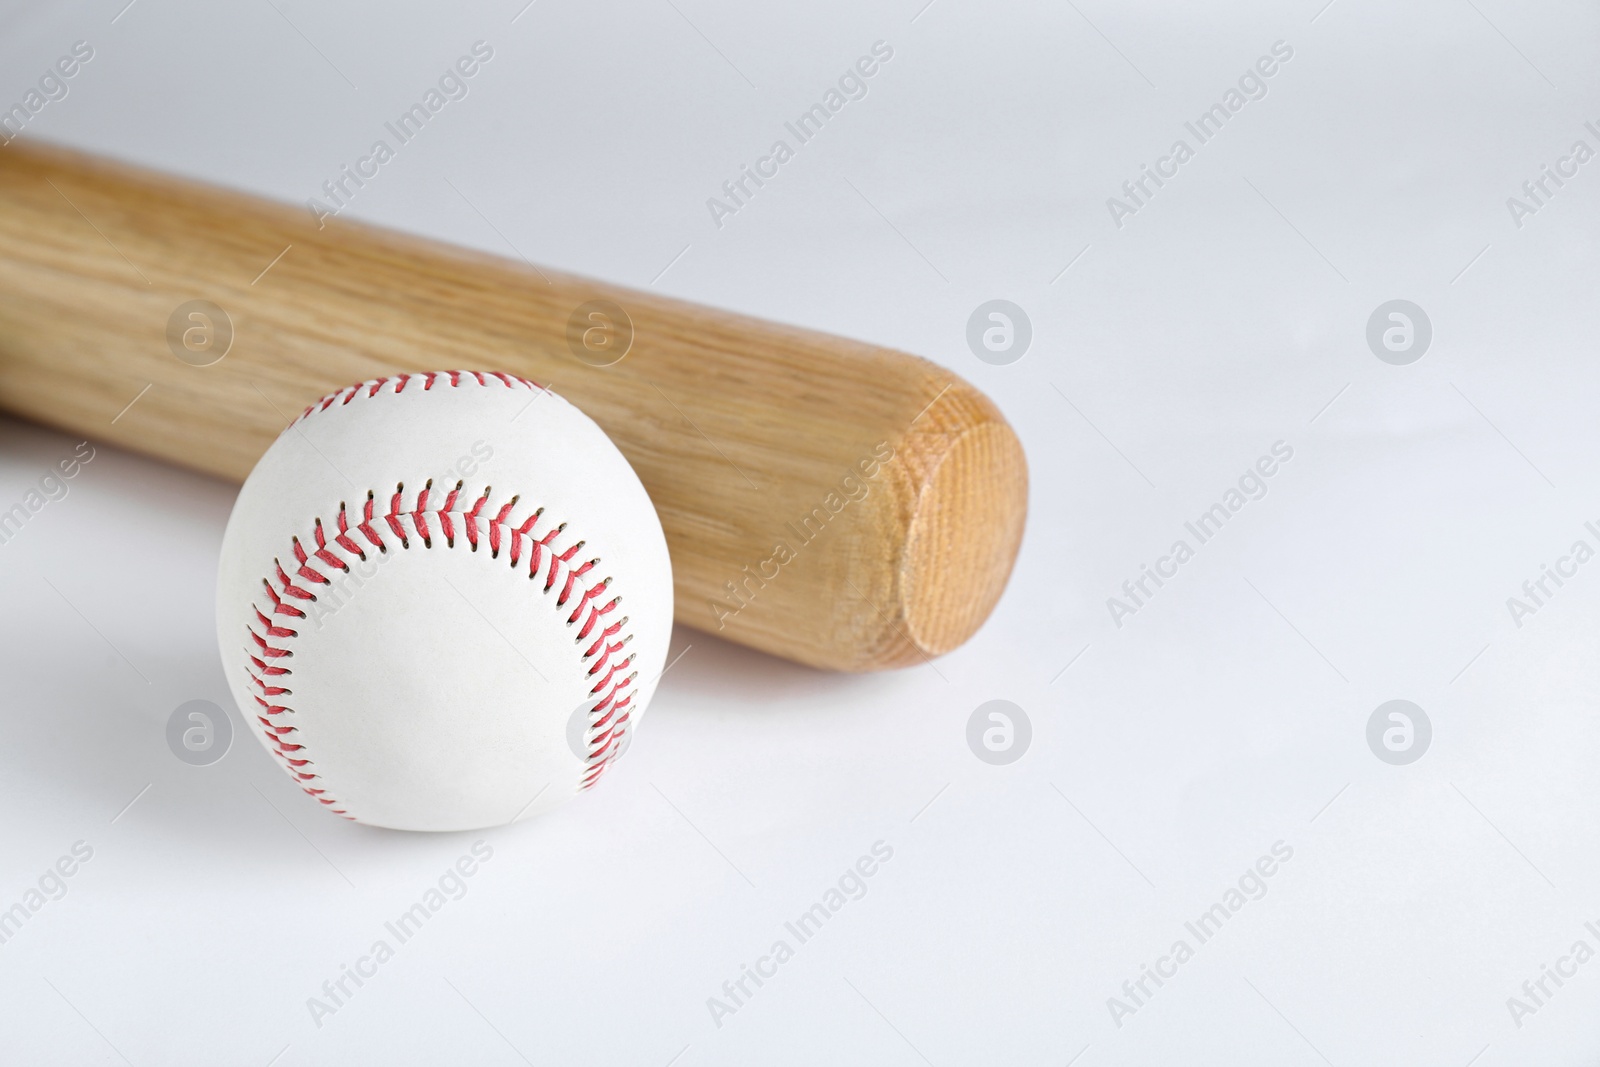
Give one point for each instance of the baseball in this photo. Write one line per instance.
(444, 601)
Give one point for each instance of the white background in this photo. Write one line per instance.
(1229, 714)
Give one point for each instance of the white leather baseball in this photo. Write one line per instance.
(444, 601)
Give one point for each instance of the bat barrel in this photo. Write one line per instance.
(832, 502)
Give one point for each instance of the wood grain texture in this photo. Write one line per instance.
(825, 500)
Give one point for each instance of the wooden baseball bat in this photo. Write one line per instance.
(825, 500)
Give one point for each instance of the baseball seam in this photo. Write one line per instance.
(605, 656)
(427, 378)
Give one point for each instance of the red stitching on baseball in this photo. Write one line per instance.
(609, 718)
(347, 394)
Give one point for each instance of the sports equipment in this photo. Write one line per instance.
(740, 429)
(444, 600)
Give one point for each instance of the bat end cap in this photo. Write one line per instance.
(964, 535)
